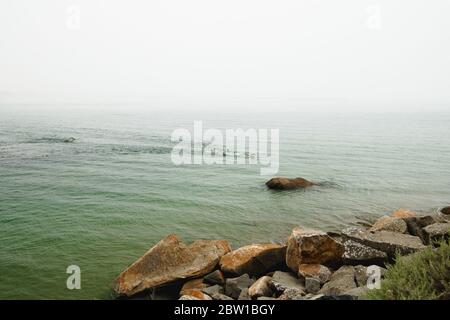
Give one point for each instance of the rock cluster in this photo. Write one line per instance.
(320, 265)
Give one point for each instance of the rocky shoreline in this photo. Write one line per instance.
(311, 265)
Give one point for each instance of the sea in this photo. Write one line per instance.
(102, 199)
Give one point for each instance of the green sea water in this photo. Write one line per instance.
(103, 200)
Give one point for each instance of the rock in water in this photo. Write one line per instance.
(389, 224)
(403, 213)
(168, 261)
(386, 241)
(255, 259)
(446, 210)
(288, 184)
(309, 246)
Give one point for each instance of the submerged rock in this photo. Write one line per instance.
(446, 210)
(168, 261)
(386, 241)
(309, 246)
(255, 259)
(280, 183)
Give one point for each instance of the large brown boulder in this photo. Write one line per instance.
(309, 246)
(316, 271)
(386, 241)
(168, 261)
(254, 259)
(281, 183)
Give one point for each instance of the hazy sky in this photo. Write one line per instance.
(243, 54)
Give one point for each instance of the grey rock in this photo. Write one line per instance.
(219, 296)
(386, 241)
(292, 294)
(436, 232)
(284, 280)
(215, 277)
(244, 295)
(213, 290)
(186, 297)
(361, 275)
(312, 285)
(234, 286)
(342, 280)
(357, 293)
(266, 298)
(356, 253)
(417, 223)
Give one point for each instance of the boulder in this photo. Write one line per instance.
(357, 293)
(316, 271)
(417, 223)
(188, 298)
(341, 281)
(436, 232)
(234, 286)
(219, 296)
(403, 213)
(312, 285)
(255, 259)
(389, 224)
(280, 183)
(215, 277)
(292, 294)
(260, 288)
(195, 284)
(283, 280)
(356, 253)
(244, 295)
(361, 275)
(168, 261)
(197, 294)
(386, 241)
(212, 290)
(446, 210)
(309, 246)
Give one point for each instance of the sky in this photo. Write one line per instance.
(304, 55)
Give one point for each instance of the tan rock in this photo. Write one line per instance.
(390, 224)
(281, 183)
(168, 261)
(403, 213)
(309, 246)
(260, 288)
(316, 271)
(255, 259)
(191, 285)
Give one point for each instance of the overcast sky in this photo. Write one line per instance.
(243, 54)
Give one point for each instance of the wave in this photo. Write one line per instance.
(52, 140)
